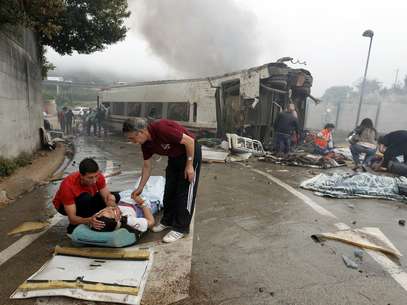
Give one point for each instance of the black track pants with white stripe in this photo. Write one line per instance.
(179, 194)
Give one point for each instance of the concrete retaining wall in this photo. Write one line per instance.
(20, 93)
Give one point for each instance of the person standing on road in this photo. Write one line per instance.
(61, 119)
(68, 121)
(284, 126)
(91, 122)
(166, 137)
(82, 194)
(100, 121)
(363, 141)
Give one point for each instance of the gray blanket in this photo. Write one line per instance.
(360, 185)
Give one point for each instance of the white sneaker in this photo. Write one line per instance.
(173, 236)
(158, 228)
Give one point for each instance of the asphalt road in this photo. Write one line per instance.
(252, 240)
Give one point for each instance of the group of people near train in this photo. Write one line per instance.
(363, 140)
(90, 119)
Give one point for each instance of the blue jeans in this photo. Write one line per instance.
(357, 149)
(283, 142)
(155, 208)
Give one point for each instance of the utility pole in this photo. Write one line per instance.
(396, 78)
(367, 33)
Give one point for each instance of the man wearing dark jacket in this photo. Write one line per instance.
(284, 126)
(392, 145)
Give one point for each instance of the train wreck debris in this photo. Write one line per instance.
(245, 103)
(306, 160)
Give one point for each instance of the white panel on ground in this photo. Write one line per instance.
(69, 268)
(128, 273)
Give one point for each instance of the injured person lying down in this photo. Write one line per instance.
(125, 216)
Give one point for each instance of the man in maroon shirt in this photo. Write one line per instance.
(168, 138)
(82, 194)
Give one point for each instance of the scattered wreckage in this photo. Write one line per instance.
(243, 102)
(235, 149)
(242, 145)
(304, 159)
(238, 148)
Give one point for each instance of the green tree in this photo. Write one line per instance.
(371, 86)
(337, 94)
(87, 26)
(84, 26)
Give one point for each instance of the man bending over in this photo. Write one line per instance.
(83, 194)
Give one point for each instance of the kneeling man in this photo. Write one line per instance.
(83, 194)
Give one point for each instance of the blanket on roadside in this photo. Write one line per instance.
(360, 185)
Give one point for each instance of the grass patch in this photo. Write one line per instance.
(23, 159)
(9, 166)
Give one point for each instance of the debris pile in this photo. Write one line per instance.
(235, 149)
(304, 159)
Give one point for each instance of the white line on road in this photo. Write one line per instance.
(317, 208)
(395, 271)
(25, 241)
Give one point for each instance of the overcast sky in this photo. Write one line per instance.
(167, 36)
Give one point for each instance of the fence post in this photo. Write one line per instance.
(338, 111)
(376, 122)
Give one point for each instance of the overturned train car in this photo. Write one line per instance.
(245, 102)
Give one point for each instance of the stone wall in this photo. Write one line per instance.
(20, 92)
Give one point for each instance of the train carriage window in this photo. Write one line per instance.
(134, 109)
(118, 108)
(154, 110)
(178, 112)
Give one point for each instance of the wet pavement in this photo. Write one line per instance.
(253, 245)
(252, 240)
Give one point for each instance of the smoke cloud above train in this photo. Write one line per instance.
(198, 38)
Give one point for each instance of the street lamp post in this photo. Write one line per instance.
(367, 33)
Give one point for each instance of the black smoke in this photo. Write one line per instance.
(198, 37)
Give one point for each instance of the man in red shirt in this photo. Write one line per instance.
(168, 138)
(82, 194)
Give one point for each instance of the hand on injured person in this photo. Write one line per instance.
(136, 193)
(110, 212)
(106, 219)
(139, 200)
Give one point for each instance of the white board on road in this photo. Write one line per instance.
(115, 272)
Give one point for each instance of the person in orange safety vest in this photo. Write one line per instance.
(324, 141)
